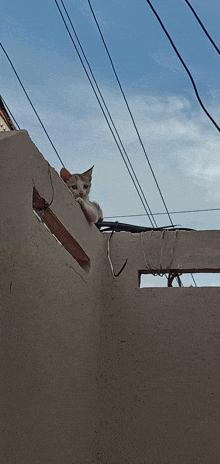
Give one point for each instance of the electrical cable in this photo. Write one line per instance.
(8, 110)
(193, 280)
(91, 82)
(98, 100)
(138, 134)
(109, 115)
(129, 110)
(42, 125)
(206, 32)
(125, 99)
(171, 212)
(87, 74)
(132, 118)
(184, 65)
(203, 27)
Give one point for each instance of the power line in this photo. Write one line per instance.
(7, 108)
(132, 119)
(129, 110)
(94, 88)
(203, 27)
(31, 103)
(171, 212)
(209, 37)
(150, 216)
(109, 115)
(184, 65)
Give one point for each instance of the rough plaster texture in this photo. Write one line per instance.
(95, 369)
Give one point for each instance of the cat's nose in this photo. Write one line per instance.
(81, 194)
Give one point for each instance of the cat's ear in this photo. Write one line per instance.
(88, 173)
(64, 174)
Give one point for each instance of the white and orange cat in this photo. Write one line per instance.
(80, 185)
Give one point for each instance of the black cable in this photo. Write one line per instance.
(8, 110)
(31, 104)
(203, 27)
(129, 110)
(109, 115)
(217, 49)
(171, 212)
(132, 117)
(122, 93)
(193, 279)
(184, 65)
(70, 35)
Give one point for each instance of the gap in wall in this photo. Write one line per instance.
(203, 279)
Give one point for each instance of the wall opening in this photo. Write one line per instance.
(202, 279)
(43, 211)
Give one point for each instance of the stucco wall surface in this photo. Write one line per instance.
(49, 316)
(95, 369)
(160, 376)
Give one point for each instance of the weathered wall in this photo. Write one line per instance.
(50, 316)
(160, 353)
(95, 368)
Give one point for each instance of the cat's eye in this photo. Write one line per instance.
(86, 186)
(74, 187)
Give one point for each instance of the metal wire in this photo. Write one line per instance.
(38, 117)
(184, 65)
(145, 205)
(129, 110)
(202, 26)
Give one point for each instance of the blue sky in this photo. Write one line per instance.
(181, 142)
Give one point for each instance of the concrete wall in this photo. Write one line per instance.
(96, 369)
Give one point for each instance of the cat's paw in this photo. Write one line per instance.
(80, 201)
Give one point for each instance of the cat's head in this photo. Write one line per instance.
(79, 184)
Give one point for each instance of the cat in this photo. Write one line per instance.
(79, 185)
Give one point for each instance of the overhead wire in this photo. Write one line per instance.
(167, 212)
(38, 117)
(186, 68)
(132, 118)
(122, 93)
(121, 146)
(204, 29)
(130, 112)
(171, 212)
(109, 115)
(202, 26)
(9, 112)
(131, 115)
(88, 76)
(184, 65)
